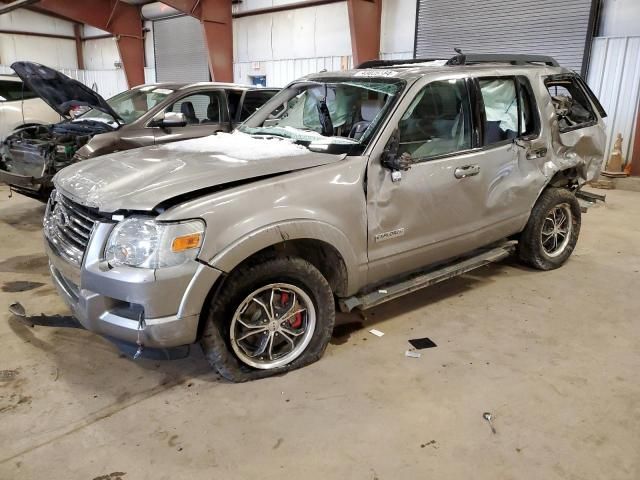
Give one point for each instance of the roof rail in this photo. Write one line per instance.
(467, 59)
(470, 58)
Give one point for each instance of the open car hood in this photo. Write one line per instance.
(141, 179)
(60, 91)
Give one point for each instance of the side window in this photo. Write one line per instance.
(501, 109)
(438, 121)
(571, 104)
(201, 107)
(14, 90)
(253, 100)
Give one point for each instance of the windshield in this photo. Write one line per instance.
(340, 110)
(130, 105)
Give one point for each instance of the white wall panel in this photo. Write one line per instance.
(614, 76)
(101, 54)
(281, 72)
(53, 52)
(22, 20)
(620, 18)
(398, 27)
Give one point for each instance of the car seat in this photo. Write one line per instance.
(368, 111)
(189, 112)
(213, 113)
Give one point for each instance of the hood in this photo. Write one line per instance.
(60, 91)
(142, 178)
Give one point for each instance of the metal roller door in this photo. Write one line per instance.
(543, 27)
(180, 52)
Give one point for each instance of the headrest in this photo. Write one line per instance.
(187, 109)
(370, 108)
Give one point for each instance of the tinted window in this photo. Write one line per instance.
(233, 98)
(253, 100)
(438, 121)
(201, 107)
(571, 104)
(10, 91)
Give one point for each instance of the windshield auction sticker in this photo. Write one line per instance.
(376, 73)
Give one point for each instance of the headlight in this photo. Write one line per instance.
(145, 243)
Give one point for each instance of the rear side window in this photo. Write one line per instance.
(11, 91)
(509, 109)
(573, 109)
(253, 100)
(438, 121)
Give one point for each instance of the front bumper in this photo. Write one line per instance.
(21, 181)
(110, 301)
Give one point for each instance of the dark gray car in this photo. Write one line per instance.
(145, 115)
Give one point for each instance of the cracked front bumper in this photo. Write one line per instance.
(110, 301)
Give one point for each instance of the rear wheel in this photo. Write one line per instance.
(552, 231)
(269, 318)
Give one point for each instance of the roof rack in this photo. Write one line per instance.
(468, 59)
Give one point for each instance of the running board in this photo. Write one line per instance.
(424, 279)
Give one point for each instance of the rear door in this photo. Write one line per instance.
(205, 111)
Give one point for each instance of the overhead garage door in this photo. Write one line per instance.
(543, 27)
(180, 52)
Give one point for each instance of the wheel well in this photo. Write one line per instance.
(565, 178)
(320, 254)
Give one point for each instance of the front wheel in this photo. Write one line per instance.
(552, 231)
(269, 318)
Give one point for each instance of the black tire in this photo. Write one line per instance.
(216, 337)
(530, 248)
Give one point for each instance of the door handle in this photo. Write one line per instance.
(466, 171)
(537, 153)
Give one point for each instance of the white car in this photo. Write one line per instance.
(16, 112)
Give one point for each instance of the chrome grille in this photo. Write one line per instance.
(68, 226)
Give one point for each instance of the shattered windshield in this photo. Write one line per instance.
(341, 110)
(130, 105)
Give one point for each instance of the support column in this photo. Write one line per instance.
(365, 17)
(114, 16)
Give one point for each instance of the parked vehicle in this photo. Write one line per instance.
(145, 115)
(356, 186)
(20, 107)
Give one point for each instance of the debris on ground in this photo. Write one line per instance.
(487, 416)
(375, 332)
(412, 354)
(17, 309)
(422, 343)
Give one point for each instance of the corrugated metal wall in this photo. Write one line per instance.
(614, 76)
(180, 52)
(544, 27)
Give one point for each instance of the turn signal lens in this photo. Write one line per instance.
(186, 242)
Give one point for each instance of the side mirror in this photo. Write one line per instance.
(391, 158)
(168, 119)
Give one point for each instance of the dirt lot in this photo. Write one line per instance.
(554, 356)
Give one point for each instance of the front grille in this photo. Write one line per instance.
(68, 226)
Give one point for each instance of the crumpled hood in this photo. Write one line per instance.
(58, 90)
(142, 178)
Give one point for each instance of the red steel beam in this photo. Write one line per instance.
(215, 18)
(121, 19)
(364, 21)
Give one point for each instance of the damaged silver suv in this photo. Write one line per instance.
(345, 190)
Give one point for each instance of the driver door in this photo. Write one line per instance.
(205, 112)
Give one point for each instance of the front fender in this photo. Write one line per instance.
(232, 255)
